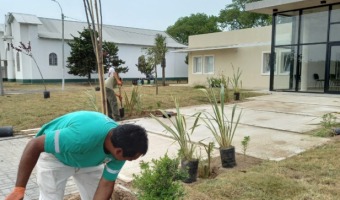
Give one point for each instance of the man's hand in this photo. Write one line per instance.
(119, 97)
(120, 83)
(104, 190)
(18, 193)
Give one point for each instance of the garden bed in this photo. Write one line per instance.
(243, 164)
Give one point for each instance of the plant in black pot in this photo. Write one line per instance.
(222, 127)
(181, 135)
(236, 82)
(27, 50)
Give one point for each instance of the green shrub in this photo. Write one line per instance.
(218, 83)
(199, 86)
(245, 143)
(327, 123)
(161, 180)
(328, 120)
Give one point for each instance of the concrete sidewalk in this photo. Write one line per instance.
(274, 123)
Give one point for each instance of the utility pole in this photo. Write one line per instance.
(2, 93)
(62, 41)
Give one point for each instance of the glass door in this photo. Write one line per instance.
(334, 69)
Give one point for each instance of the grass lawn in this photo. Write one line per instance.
(314, 174)
(28, 109)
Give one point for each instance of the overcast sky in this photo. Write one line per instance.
(148, 14)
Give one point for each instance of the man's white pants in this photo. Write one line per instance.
(52, 176)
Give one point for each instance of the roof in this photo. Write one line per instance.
(24, 18)
(52, 29)
(232, 46)
(270, 6)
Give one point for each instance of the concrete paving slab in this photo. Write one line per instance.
(10, 153)
(266, 143)
(158, 147)
(302, 109)
(301, 98)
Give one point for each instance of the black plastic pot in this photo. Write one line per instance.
(121, 112)
(167, 113)
(192, 168)
(6, 131)
(237, 96)
(46, 94)
(97, 88)
(228, 157)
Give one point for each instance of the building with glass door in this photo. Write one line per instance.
(305, 50)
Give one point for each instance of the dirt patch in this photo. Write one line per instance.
(243, 164)
(142, 114)
(121, 193)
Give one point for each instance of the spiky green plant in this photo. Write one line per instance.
(180, 133)
(91, 100)
(204, 169)
(236, 81)
(225, 129)
(133, 104)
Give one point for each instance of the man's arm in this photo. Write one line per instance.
(29, 159)
(104, 190)
(116, 76)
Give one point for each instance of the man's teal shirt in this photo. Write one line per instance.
(77, 140)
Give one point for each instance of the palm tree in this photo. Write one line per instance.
(156, 56)
(160, 51)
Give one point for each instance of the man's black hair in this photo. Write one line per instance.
(131, 138)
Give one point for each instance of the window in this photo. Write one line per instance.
(314, 24)
(203, 64)
(197, 65)
(265, 63)
(208, 64)
(18, 61)
(53, 59)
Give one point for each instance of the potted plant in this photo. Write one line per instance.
(236, 82)
(181, 135)
(222, 128)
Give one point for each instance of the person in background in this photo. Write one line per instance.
(87, 145)
(111, 71)
(111, 97)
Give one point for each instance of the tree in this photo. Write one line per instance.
(156, 56)
(195, 24)
(27, 50)
(235, 17)
(82, 61)
(160, 51)
(110, 51)
(144, 66)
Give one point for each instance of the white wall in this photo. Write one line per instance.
(42, 47)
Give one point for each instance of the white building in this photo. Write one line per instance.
(45, 36)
